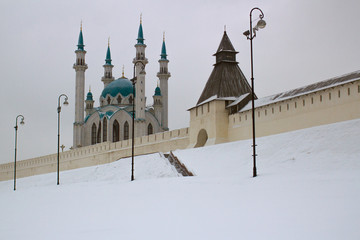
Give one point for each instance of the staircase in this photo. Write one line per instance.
(180, 167)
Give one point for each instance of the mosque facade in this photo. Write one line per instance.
(112, 120)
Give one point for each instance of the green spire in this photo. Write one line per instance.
(81, 40)
(108, 55)
(140, 39)
(89, 96)
(157, 91)
(163, 49)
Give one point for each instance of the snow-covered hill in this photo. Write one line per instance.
(308, 188)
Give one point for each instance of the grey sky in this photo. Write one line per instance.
(304, 42)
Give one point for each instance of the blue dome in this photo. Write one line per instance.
(121, 85)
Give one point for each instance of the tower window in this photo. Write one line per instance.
(329, 96)
(303, 102)
(108, 100)
(312, 100)
(126, 130)
(339, 93)
(295, 104)
(130, 99)
(320, 98)
(119, 99)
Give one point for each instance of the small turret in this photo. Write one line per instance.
(89, 102)
(158, 106)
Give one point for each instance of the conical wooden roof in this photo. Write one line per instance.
(226, 79)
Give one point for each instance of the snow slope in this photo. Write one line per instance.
(308, 188)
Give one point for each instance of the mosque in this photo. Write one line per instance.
(112, 120)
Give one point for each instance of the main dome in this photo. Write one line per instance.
(121, 85)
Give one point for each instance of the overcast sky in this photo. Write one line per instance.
(304, 42)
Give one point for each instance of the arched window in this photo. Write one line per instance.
(108, 100)
(104, 129)
(126, 130)
(93, 134)
(150, 129)
(99, 133)
(119, 99)
(116, 131)
(130, 99)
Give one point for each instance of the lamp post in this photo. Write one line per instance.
(250, 34)
(58, 145)
(16, 128)
(133, 119)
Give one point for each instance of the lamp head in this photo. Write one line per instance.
(260, 24)
(66, 102)
(22, 122)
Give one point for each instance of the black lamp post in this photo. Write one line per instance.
(58, 145)
(16, 128)
(250, 34)
(133, 119)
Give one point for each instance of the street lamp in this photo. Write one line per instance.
(58, 145)
(16, 128)
(133, 119)
(250, 34)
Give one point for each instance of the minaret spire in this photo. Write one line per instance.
(163, 49)
(81, 39)
(108, 54)
(108, 77)
(140, 39)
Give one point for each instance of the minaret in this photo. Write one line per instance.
(108, 77)
(140, 83)
(163, 76)
(157, 103)
(80, 66)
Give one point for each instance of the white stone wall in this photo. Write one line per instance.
(327, 106)
(97, 154)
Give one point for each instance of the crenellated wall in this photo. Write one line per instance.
(97, 154)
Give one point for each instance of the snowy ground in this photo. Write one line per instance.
(308, 188)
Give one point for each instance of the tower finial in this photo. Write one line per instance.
(164, 36)
(225, 28)
(123, 72)
(109, 42)
(140, 18)
(81, 25)
(89, 88)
